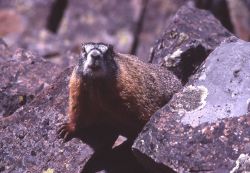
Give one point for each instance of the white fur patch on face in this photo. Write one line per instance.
(88, 47)
(101, 47)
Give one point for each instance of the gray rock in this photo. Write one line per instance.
(23, 75)
(206, 126)
(188, 39)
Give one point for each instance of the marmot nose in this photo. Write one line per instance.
(95, 54)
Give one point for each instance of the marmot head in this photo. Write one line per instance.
(97, 59)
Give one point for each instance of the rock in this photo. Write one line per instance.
(205, 126)
(188, 39)
(242, 164)
(5, 52)
(28, 137)
(220, 10)
(23, 76)
(234, 15)
(240, 17)
(11, 22)
(157, 13)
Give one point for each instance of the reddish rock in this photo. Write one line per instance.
(11, 22)
(240, 17)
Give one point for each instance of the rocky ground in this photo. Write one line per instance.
(205, 127)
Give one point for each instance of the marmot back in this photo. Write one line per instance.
(150, 86)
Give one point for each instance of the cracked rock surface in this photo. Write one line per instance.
(206, 126)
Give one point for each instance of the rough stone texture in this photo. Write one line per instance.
(206, 126)
(29, 141)
(157, 13)
(189, 37)
(23, 75)
(240, 17)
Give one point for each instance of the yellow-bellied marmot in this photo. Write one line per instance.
(115, 89)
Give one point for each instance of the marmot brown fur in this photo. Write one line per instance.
(115, 89)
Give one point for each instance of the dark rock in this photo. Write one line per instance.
(240, 17)
(188, 39)
(23, 76)
(234, 15)
(220, 10)
(206, 126)
(28, 137)
(156, 15)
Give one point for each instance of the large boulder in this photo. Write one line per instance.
(205, 126)
(28, 137)
(23, 75)
(188, 39)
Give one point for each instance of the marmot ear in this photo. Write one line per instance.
(110, 48)
(83, 47)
